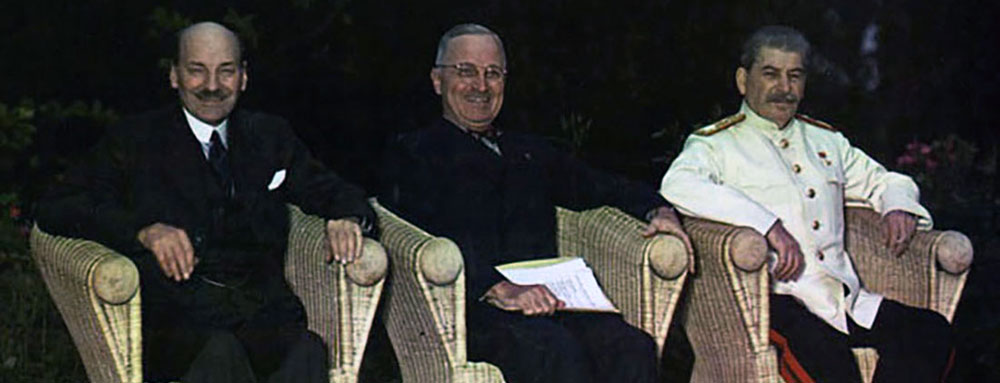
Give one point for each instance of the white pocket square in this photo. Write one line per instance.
(277, 179)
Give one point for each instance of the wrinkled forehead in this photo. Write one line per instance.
(779, 59)
(477, 49)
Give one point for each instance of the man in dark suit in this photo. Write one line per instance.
(494, 193)
(196, 195)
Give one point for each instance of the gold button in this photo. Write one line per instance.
(783, 143)
(796, 168)
(810, 193)
(815, 225)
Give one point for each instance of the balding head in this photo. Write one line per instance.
(210, 35)
(208, 72)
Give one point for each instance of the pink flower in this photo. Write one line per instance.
(925, 149)
(905, 159)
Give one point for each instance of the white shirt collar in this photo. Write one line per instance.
(203, 131)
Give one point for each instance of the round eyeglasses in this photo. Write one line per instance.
(469, 71)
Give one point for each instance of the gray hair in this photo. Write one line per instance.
(464, 30)
(774, 36)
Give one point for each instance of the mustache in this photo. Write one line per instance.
(212, 95)
(783, 97)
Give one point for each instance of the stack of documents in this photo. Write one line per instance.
(568, 278)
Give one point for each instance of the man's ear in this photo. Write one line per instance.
(243, 87)
(741, 80)
(436, 80)
(173, 76)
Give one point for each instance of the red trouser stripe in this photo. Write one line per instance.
(788, 366)
(948, 366)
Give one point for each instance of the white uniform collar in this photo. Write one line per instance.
(203, 131)
(758, 121)
(768, 127)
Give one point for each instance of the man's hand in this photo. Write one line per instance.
(899, 227)
(664, 220)
(344, 236)
(529, 299)
(790, 260)
(172, 249)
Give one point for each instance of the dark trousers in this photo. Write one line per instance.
(224, 359)
(914, 345)
(203, 332)
(565, 347)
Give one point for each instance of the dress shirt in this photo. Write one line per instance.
(203, 131)
(489, 138)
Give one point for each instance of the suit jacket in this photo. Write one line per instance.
(747, 172)
(150, 168)
(497, 208)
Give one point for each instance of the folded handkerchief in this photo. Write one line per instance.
(277, 179)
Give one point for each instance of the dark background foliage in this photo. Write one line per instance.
(618, 83)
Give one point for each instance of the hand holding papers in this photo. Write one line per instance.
(568, 278)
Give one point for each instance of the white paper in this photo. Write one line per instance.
(568, 278)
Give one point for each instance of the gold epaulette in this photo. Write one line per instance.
(721, 125)
(816, 122)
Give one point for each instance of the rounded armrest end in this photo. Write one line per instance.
(954, 252)
(748, 249)
(371, 267)
(440, 261)
(668, 256)
(115, 279)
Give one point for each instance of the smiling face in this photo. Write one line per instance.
(774, 85)
(208, 75)
(471, 102)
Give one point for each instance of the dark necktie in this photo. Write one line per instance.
(489, 137)
(220, 163)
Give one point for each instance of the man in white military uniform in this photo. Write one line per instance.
(787, 176)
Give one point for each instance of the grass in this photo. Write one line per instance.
(35, 345)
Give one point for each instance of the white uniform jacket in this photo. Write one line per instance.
(752, 174)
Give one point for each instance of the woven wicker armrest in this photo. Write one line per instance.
(726, 318)
(425, 305)
(931, 273)
(340, 301)
(97, 293)
(607, 234)
(642, 276)
(745, 247)
(77, 262)
(950, 249)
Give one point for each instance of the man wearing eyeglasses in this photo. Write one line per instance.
(494, 193)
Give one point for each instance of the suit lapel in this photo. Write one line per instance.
(247, 159)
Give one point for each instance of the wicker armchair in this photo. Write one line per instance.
(97, 292)
(727, 315)
(425, 307)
